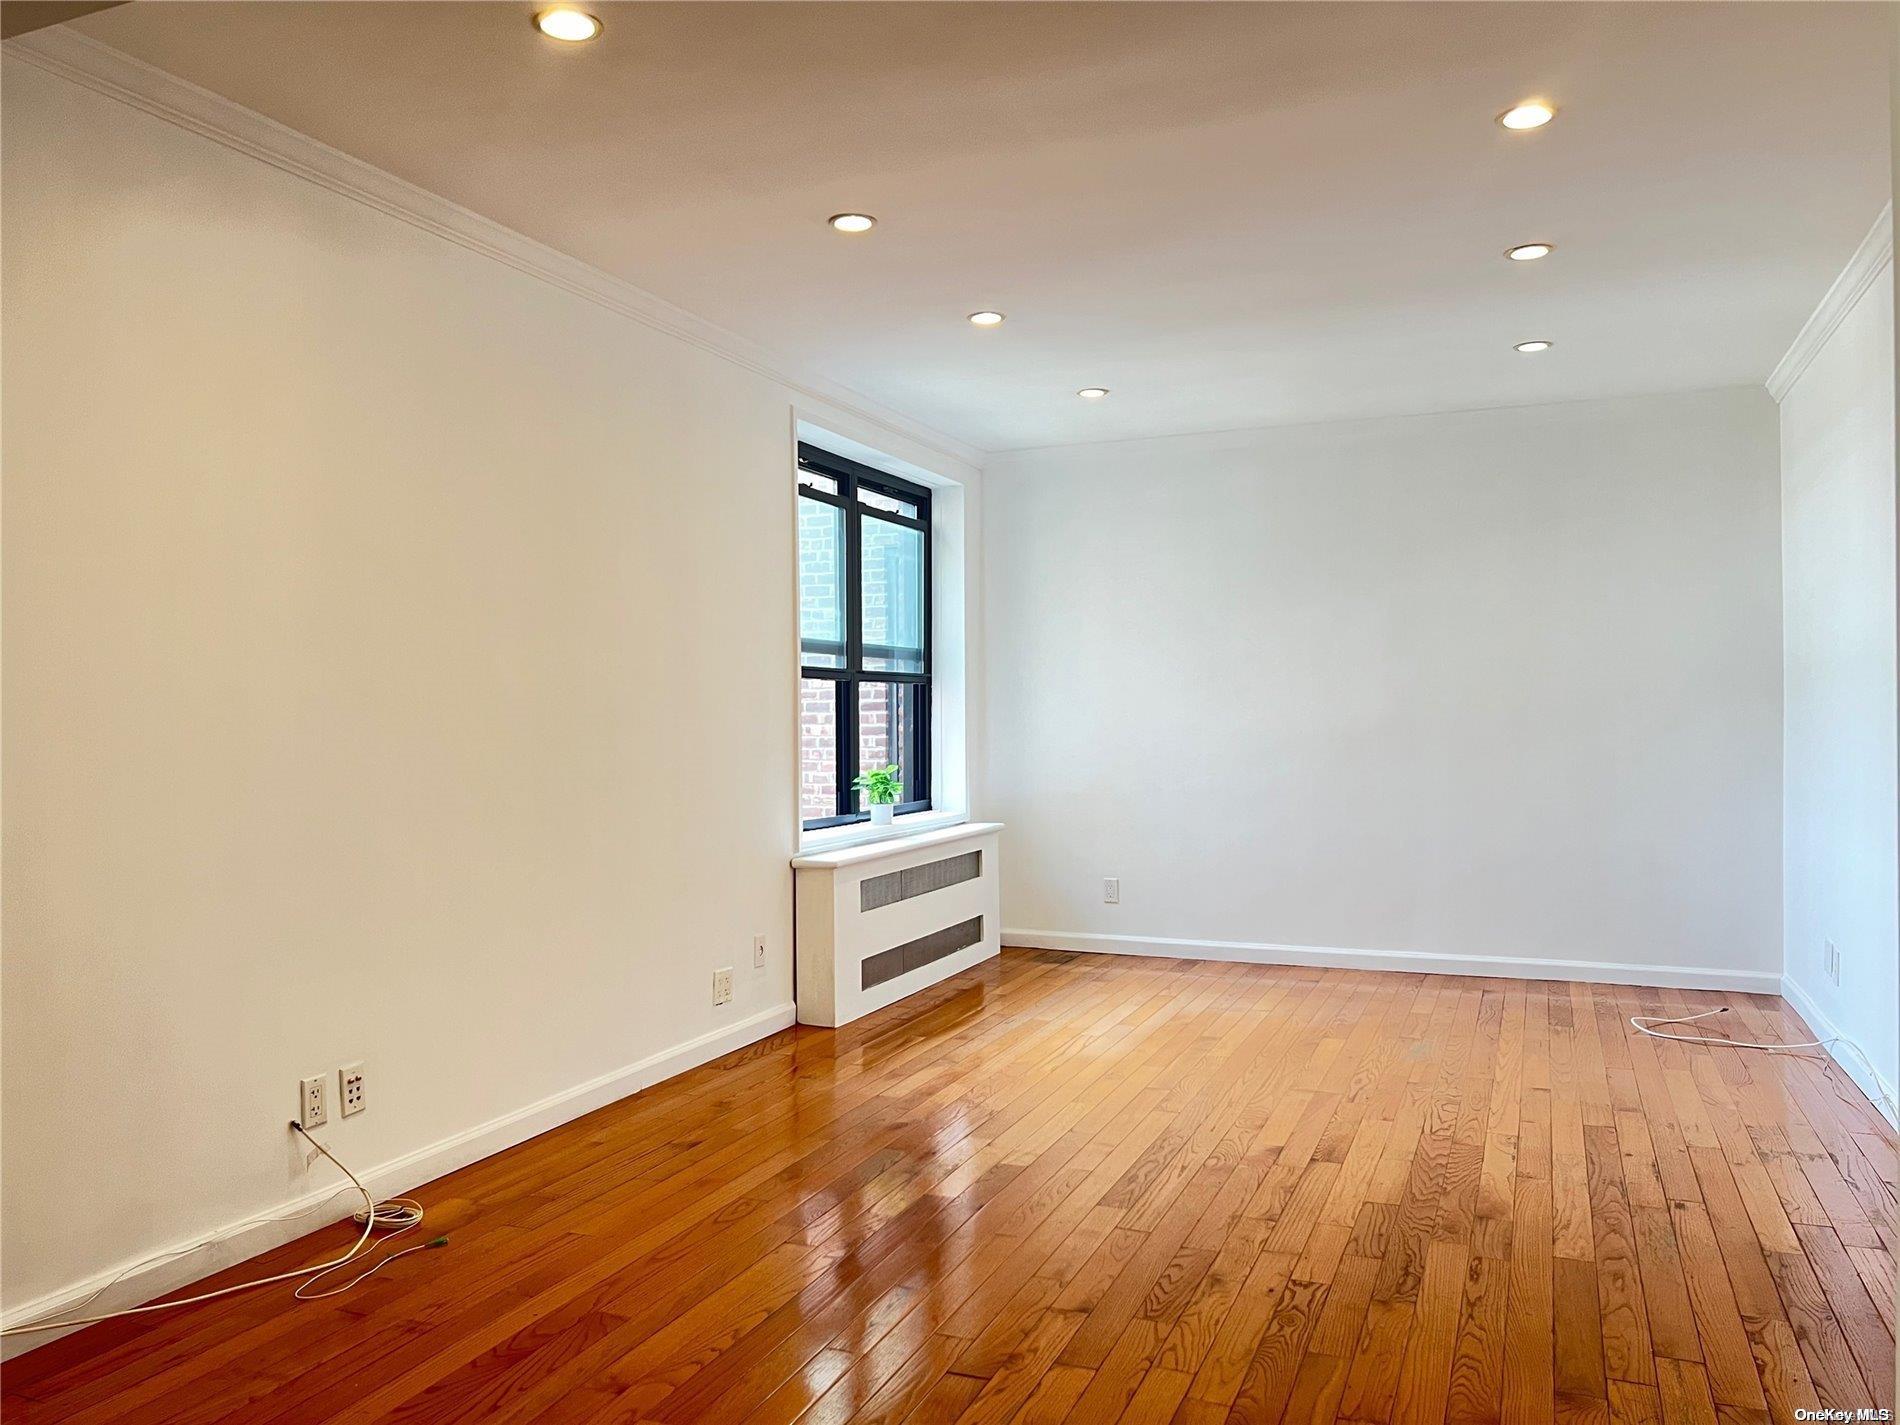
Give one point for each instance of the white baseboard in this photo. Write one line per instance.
(1248, 952)
(197, 1257)
(1879, 1090)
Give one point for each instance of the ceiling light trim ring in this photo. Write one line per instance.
(1527, 114)
(568, 24)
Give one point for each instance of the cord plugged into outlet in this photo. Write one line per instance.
(393, 1216)
(313, 1101)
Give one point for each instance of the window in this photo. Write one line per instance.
(863, 635)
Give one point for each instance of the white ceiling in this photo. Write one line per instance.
(1230, 214)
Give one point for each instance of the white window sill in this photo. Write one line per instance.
(838, 838)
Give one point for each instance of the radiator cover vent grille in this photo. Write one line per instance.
(915, 954)
(875, 892)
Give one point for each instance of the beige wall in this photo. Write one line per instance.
(1837, 541)
(1502, 684)
(399, 667)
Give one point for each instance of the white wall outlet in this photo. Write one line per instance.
(349, 1083)
(758, 952)
(722, 986)
(313, 1103)
(1831, 961)
(1112, 891)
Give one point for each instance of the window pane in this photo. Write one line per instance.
(878, 500)
(812, 480)
(817, 749)
(891, 599)
(889, 730)
(820, 584)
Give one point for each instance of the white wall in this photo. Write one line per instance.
(400, 665)
(1498, 684)
(1837, 493)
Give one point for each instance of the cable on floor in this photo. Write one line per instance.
(396, 1215)
(1642, 1023)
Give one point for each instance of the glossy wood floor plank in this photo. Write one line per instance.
(1091, 1189)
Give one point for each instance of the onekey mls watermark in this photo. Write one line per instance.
(1839, 1416)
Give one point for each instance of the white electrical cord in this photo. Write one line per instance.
(399, 1213)
(1641, 1024)
(186, 1251)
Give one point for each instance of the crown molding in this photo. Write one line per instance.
(1870, 259)
(99, 67)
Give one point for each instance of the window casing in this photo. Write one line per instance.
(864, 635)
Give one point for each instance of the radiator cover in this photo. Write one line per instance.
(877, 922)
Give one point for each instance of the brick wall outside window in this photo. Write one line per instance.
(817, 764)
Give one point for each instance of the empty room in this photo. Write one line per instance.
(884, 713)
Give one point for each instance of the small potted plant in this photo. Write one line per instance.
(881, 792)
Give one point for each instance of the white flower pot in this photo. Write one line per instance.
(881, 814)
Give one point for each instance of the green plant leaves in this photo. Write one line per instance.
(880, 786)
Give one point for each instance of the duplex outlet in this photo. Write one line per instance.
(1831, 961)
(722, 986)
(350, 1090)
(1112, 891)
(313, 1101)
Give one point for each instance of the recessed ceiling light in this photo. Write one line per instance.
(986, 319)
(1529, 251)
(852, 222)
(1531, 114)
(564, 22)
(1531, 346)
(1092, 393)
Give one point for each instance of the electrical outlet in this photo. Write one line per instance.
(1833, 962)
(758, 952)
(349, 1082)
(1112, 891)
(313, 1103)
(722, 986)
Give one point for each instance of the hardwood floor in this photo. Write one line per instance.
(1067, 1187)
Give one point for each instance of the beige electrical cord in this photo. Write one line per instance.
(1641, 1024)
(399, 1213)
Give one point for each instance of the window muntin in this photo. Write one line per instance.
(864, 635)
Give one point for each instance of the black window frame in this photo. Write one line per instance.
(851, 477)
